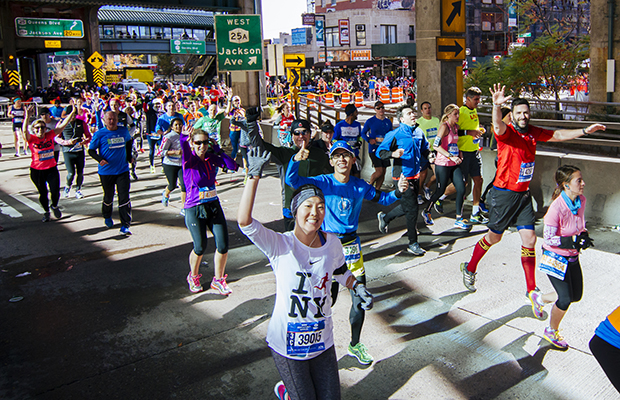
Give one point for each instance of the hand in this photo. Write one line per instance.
(256, 161)
(103, 162)
(456, 159)
(475, 133)
(365, 295)
(398, 153)
(372, 141)
(583, 241)
(302, 154)
(188, 130)
(403, 183)
(498, 94)
(593, 128)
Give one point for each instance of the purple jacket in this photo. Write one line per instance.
(199, 176)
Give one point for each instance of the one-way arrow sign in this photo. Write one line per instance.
(293, 77)
(297, 60)
(450, 48)
(456, 9)
(453, 16)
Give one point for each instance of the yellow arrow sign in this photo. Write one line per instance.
(96, 60)
(293, 77)
(13, 77)
(453, 16)
(98, 76)
(450, 48)
(296, 60)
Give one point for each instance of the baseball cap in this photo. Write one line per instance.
(300, 123)
(327, 126)
(341, 144)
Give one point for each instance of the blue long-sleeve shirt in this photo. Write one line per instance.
(413, 141)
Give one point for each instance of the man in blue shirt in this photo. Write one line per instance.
(375, 129)
(56, 109)
(343, 203)
(406, 144)
(111, 148)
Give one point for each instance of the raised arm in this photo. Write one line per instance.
(562, 135)
(65, 121)
(256, 162)
(497, 91)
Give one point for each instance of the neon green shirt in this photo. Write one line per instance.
(468, 120)
(430, 128)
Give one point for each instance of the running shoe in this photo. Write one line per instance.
(420, 199)
(221, 286)
(415, 249)
(16, 154)
(479, 219)
(79, 194)
(439, 206)
(280, 390)
(553, 336)
(108, 222)
(125, 231)
(537, 304)
(426, 216)
(360, 352)
(427, 193)
(383, 226)
(25, 152)
(66, 192)
(46, 217)
(483, 207)
(164, 199)
(461, 223)
(134, 176)
(182, 212)
(57, 213)
(194, 283)
(153, 169)
(469, 278)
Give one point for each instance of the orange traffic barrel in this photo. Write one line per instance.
(345, 99)
(395, 95)
(359, 99)
(329, 99)
(311, 100)
(384, 93)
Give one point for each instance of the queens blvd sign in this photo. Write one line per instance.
(239, 42)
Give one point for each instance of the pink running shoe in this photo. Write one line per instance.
(221, 286)
(194, 283)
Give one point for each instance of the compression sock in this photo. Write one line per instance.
(475, 210)
(479, 251)
(528, 260)
(443, 197)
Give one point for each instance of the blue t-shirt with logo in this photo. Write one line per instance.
(375, 128)
(111, 146)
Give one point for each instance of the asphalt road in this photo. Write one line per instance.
(111, 317)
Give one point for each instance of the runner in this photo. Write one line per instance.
(236, 113)
(565, 235)
(374, 131)
(304, 261)
(211, 123)
(430, 127)
(447, 166)
(344, 195)
(43, 167)
(16, 113)
(283, 123)
(77, 134)
(154, 138)
(170, 149)
(605, 347)
(201, 157)
(511, 203)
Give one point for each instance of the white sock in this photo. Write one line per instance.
(475, 210)
(443, 197)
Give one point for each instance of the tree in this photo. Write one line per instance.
(166, 66)
(126, 60)
(561, 19)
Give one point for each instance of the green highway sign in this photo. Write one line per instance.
(49, 28)
(239, 42)
(178, 46)
(67, 53)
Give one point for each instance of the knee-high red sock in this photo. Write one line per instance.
(528, 260)
(479, 251)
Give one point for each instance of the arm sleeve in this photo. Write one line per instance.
(128, 148)
(385, 149)
(93, 153)
(342, 276)
(292, 175)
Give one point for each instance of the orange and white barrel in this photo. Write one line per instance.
(345, 99)
(359, 99)
(312, 100)
(329, 99)
(384, 94)
(395, 95)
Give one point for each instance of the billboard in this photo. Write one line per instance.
(343, 27)
(320, 32)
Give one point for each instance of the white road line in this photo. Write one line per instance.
(28, 203)
(8, 210)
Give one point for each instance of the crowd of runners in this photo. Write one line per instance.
(318, 248)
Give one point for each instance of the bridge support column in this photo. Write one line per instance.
(9, 52)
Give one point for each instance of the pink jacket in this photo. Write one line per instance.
(558, 216)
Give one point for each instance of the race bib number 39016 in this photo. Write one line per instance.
(526, 172)
(303, 338)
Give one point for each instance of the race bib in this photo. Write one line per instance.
(116, 142)
(526, 172)
(206, 194)
(303, 338)
(155, 137)
(379, 139)
(353, 257)
(174, 158)
(553, 264)
(46, 155)
(453, 149)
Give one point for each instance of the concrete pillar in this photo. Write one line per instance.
(7, 23)
(437, 80)
(599, 50)
(91, 34)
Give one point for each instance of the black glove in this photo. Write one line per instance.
(583, 241)
(566, 242)
(364, 294)
(256, 161)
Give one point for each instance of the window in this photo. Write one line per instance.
(411, 33)
(199, 34)
(133, 31)
(157, 32)
(333, 2)
(388, 34)
(177, 33)
(332, 37)
(360, 35)
(145, 32)
(167, 33)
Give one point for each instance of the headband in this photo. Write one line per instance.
(308, 192)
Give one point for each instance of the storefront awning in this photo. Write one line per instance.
(349, 64)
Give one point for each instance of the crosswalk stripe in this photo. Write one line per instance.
(29, 203)
(8, 210)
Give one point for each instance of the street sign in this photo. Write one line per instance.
(238, 42)
(178, 46)
(96, 60)
(67, 53)
(453, 16)
(307, 19)
(293, 76)
(98, 76)
(296, 60)
(405, 63)
(49, 28)
(52, 44)
(450, 48)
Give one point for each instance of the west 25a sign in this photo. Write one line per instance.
(239, 42)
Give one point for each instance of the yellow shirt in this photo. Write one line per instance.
(468, 120)
(430, 128)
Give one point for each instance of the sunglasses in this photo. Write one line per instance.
(199, 142)
(379, 108)
(300, 132)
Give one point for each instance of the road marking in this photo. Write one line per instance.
(8, 210)
(28, 203)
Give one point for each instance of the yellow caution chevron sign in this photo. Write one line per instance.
(14, 77)
(98, 76)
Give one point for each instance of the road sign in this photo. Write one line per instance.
(238, 42)
(293, 76)
(47, 27)
(450, 48)
(178, 46)
(96, 60)
(307, 19)
(405, 63)
(453, 16)
(98, 76)
(297, 60)
(52, 44)
(67, 53)
(13, 77)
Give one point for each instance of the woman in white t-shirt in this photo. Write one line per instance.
(304, 262)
